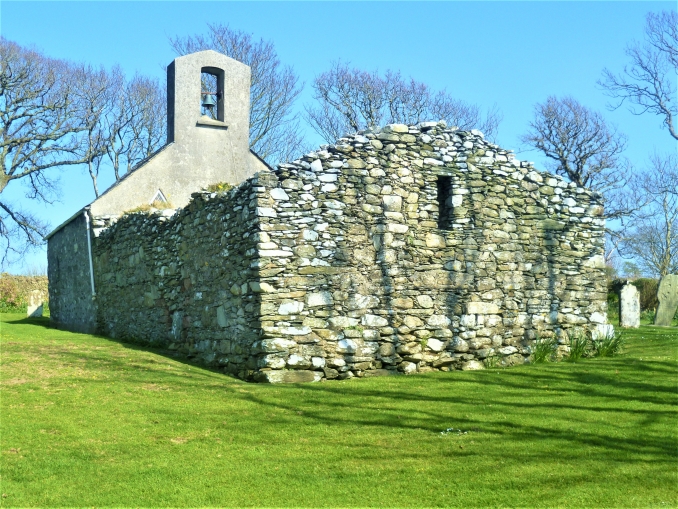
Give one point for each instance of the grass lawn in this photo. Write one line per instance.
(88, 421)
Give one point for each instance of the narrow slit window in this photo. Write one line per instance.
(444, 202)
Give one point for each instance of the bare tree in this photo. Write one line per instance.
(652, 237)
(93, 95)
(54, 114)
(118, 123)
(149, 99)
(125, 121)
(274, 127)
(582, 147)
(135, 126)
(649, 82)
(611, 254)
(350, 99)
(40, 116)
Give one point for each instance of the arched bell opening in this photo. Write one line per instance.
(212, 93)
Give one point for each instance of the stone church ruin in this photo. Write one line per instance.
(404, 249)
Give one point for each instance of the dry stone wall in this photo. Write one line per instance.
(188, 280)
(408, 249)
(382, 277)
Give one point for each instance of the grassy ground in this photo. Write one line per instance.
(646, 317)
(90, 421)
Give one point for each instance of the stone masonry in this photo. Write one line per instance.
(406, 249)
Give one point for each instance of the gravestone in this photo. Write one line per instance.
(629, 306)
(668, 300)
(35, 302)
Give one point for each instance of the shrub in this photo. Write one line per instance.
(580, 345)
(493, 361)
(14, 290)
(219, 187)
(608, 345)
(147, 207)
(543, 349)
(648, 293)
(648, 316)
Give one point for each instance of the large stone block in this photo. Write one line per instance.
(292, 376)
(408, 367)
(602, 330)
(482, 308)
(340, 322)
(290, 308)
(357, 301)
(347, 346)
(392, 203)
(319, 299)
(298, 362)
(438, 321)
(276, 345)
(472, 365)
(433, 240)
(374, 321)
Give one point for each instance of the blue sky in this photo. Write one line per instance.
(513, 54)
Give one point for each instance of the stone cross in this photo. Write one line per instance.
(668, 300)
(35, 302)
(629, 306)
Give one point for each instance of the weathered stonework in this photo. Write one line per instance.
(188, 282)
(410, 249)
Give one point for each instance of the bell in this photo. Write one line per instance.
(209, 102)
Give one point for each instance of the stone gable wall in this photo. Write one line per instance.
(335, 266)
(380, 287)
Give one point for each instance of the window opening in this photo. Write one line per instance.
(210, 95)
(444, 202)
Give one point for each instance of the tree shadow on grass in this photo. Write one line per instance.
(127, 344)
(41, 321)
(593, 403)
(583, 410)
(147, 366)
(580, 374)
(370, 407)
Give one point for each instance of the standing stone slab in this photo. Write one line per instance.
(668, 300)
(629, 306)
(35, 302)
